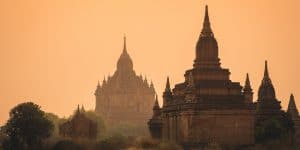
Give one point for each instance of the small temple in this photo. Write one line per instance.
(79, 126)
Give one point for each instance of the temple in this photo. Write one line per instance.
(207, 107)
(125, 97)
(210, 109)
(294, 114)
(267, 105)
(79, 126)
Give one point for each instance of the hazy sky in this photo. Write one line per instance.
(54, 52)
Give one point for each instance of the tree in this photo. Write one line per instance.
(67, 145)
(115, 142)
(27, 127)
(56, 122)
(100, 123)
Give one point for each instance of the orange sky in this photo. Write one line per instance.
(54, 52)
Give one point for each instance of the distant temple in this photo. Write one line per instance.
(79, 126)
(124, 96)
(155, 124)
(209, 108)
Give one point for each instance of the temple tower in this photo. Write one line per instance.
(267, 104)
(167, 94)
(247, 90)
(125, 97)
(207, 106)
(155, 124)
(292, 108)
(207, 47)
(294, 114)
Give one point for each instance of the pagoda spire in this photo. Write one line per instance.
(104, 81)
(168, 87)
(98, 88)
(82, 108)
(207, 46)
(292, 103)
(156, 105)
(247, 84)
(266, 73)
(125, 63)
(292, 108)
(206, 30)
(266, 79)
(146, 81)
(78, 109)
(156, 108)
(247, 91)
(124, 44)
(266, 89)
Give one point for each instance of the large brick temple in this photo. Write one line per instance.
(125, 97)
(207, 106)
(210, 108)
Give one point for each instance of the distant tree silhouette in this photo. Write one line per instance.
(27, 127)
(67, 145)
(115, 142)
(98, 119)
(56, 122)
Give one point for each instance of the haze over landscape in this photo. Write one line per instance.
(54, 52)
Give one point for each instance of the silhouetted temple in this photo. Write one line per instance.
(293, 112)
(267, 105)
(155, 123)
(207, 107)
(125, 97)
(79, 126)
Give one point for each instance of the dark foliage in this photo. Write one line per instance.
(114, 143)
(56, 122)
(67, 145)
(100, 123)
(27, 127)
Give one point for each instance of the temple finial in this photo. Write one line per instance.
(82, 108)
(206, 14)
(247, 83)
(292, 108)
(206, 30)
(247, 86)
(292, 104)
(78, 109)
(124, 47)
(156, 101)
(104, 81)
(168, 87)
(266, 73)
